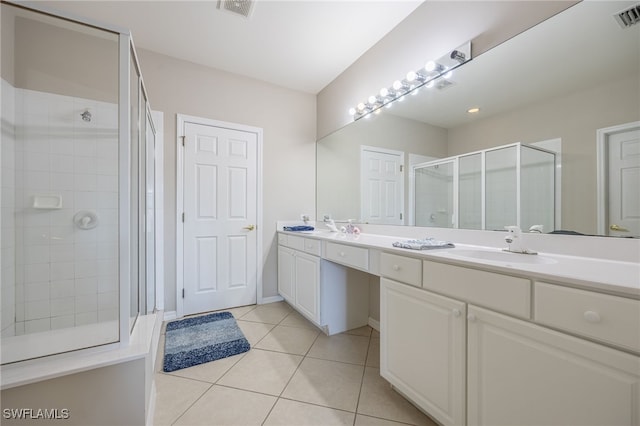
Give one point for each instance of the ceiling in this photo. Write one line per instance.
(302, 45)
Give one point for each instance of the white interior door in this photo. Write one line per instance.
(220, 216)
(382, 186)
(624, 184)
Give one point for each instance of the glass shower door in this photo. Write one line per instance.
(434, 194)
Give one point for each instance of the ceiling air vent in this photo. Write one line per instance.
(629, 16)
(239, 7)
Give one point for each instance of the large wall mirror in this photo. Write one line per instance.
(569, 86)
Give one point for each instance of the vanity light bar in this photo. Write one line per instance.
(425, 76)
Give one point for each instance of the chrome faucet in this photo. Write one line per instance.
(515, 241)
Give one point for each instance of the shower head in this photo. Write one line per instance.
(86, 116)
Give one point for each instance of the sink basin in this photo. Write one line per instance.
(503, 256)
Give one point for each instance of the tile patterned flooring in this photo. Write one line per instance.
(293, 375)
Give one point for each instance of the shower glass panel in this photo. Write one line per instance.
(135, 191)
(501, 187)
(470, 191)
(150, 140)
(434, 195)
(60, 185)
(537, 188)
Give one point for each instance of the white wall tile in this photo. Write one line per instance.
(36, 273)
(37, 326)
(85, 318)
(63, 306)
(84, 148)
(86, 286)
(60, 161)
(84, 165)
(63, 288)
(108, 300)
(37, 310)
(85, 200)
(85, 251)
(86, 303)
(107, 283)
(85, 182)
(34, 292)
(64, 321)
(62, 181)
(62, 271)
(107, 315)
(37, 162)
(106, 183)
(36, 254)
(107, 200)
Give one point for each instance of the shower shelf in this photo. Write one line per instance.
(47, 201)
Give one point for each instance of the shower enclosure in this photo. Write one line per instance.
(507, 185)
(77, 186)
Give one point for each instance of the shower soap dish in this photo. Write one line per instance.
(47, 201)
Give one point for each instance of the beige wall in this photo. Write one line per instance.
(573, 118)
(430, 31)
(288, 119)
(75, 61)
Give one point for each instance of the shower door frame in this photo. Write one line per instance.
(125, 48)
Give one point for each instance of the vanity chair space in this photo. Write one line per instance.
(475, 341)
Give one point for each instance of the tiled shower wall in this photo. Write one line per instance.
(65, 276)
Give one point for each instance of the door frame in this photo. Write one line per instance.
(602, 171)
(181, 121)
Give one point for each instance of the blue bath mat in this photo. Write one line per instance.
(197, 340)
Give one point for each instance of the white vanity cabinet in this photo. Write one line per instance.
(422, 349)
(520, 373)
(518, 358)
(332, 296)
(299, 274)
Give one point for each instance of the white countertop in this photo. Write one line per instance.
(610, 276)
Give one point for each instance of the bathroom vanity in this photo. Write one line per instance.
(473, 335)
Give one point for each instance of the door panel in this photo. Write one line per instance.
(382, 186)
(624, 184)
(220, 241)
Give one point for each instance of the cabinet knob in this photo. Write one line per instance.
(395, 267)
(472, 317)
(341, 254)
(456, 313)
(592, 317)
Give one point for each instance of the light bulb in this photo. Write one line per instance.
(384, 92)
(361, 107)
(411, 76)
(448, 75)
(372, 99)
(397, 85)
(430, 66)
(352, 111)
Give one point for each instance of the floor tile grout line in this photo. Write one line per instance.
(364, 371)
(192, 404)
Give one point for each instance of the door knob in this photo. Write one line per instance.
(618, 228)
(249, 228)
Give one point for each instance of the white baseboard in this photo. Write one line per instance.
(375, 324)
(271, 299)
(170, 315)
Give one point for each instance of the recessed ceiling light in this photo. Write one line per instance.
(473, 110)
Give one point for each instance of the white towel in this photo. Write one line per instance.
(426, 244)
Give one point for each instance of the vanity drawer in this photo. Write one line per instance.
(504, 293)
(291, 241)
(400, 268)
(357, 257)
(312, 246)
(611, 319)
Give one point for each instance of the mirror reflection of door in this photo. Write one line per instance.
(623, 155)
(382, 185)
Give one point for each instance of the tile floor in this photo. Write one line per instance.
(293, 375)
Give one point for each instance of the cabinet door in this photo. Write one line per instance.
(524, 374)
(307, 290)
(422, 349)
(286, 267)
